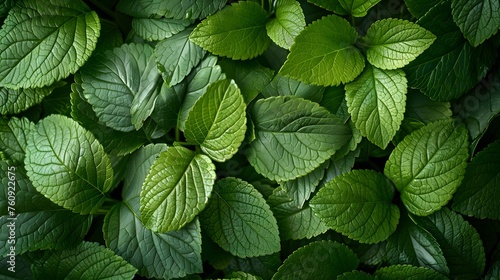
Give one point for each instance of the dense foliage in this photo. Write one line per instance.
(280, 139)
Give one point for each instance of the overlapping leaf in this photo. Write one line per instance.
(287, 24)
(283, 86)
(13, 137)
(477, 19)
(155, 29)
(15, 101)
(358, 8)
(409, 272)
(293, 137)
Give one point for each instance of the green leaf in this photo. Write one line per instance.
(86, 261)
(358, 8)
(176, 56)
(318, 260)
(358, 205)
(356, 275)
(176, 189)
(22, 270)
(477, 19)
(299, 190)
(29, 34)
(411, 244)
(421, 107)
(156, 29)
(323, 55)
(250, 76)
(193, 9)
(264, 266)
(13, 137)
(409, 272)
(113, 81)
(494, 272)
(393, 43)
(460, 242)
(244, 38)
(418, 8)
(14, 101)
(428, 166)
(242, 276)
(168, 105)
(284, 86)
(330, 5)
(287, 24)
(478, 195)
(68, 165)
(376, 101)
(217, 121)
(40, 224)
(293, 137)
(239, 220)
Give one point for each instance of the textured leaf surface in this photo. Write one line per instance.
(460, 242)
(478, 195)
(418, 8)
(176, 189)
(293, 137)
(331, 5)
(177, 9)
(155, 29)
(376, 101)
(421, 107)
(217, 121)
(283, 86)
(318, 260)
(393, 43)
(112, 81)
(355, 275)
(264, 266)
(176, 56)
(324, 53)
(358, 204)
(287, 24)
(428, 166)
(410, 272)
(68, 165)
(14, 101)
(494, 272)
(43, 42)
(13, 137)
(244, 38)
(86, 261)
(358, 8)
(239, 220)
(477, 19)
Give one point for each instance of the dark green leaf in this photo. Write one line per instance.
(284, 86)
(14, 101)
(13, 137)
(356, 275)
(421, 107)
(408, 272)
(477, 19)
(358, 8)
(155, 29)
(331, 5)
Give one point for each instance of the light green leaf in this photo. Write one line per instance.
(217, 121)
(13, 137)
(478, 195)
(293, 137)
(409, 272)
(358, 8)
(14, 101)
(244, 38)
(477, 19)
(176, 189)
(393, 43)
(331, 5)
(250, 76)
(358, 204)
(428, 166)
(155, 29)
(461, 244)
(112, 81)
(30, 32)
(176, 56)
(284, 86)
(68, 165)
(287, 24)
(324, 53)
(411, 244)
(376, 101)
(318, 260)
(239, 220)
(421, 107)
(85, 261)
(40, 224)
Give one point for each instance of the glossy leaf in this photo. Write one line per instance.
(358, 8)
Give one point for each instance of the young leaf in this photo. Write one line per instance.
(393, 43)
(376, 101)
(461, 244)
(155, 29)
(30, 32)
(85, 261)
(239, 220)
(428, 166)
(358, 8)
(176, 189)
(112, 81)
(13, 137)
(244, 38)
(14, 101)
(217, 121)
(176, 56)
(318, 260)
(409, 272)
(411, 244)
(324, 53)
(293, 137)
(358, 204)
(68, 165)
(477, 19)
(478, 195)
(287, 24)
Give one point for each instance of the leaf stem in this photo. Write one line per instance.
(177, 134)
